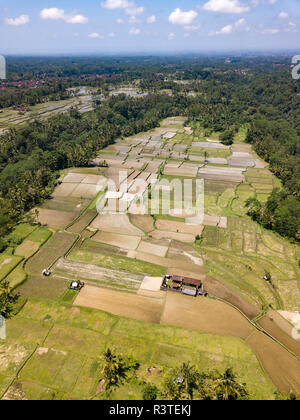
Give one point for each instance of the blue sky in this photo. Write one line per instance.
(128, 26)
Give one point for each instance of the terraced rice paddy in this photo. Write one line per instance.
(122, 259)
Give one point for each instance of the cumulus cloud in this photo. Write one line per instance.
(226, 6)
(18, 21)
(117, 4)
(95, 35)
(283, 15)
(151, 19)
(178, 17)
(240, 23)
(59, 14)
(227, 30)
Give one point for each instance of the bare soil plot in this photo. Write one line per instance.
(116, 223)
(170, 225)
(137, 307)
(132, 164)
(205, 315)
(73, 178)
(151, 284)
(209, 145)
(184, 252)
(55, 219)
(83, 221)
(181, 171)
(241, 159)
(218, 161)
(53, 249)
(64, 190)
(222, 174)
(121, 241)
(281, 366)
(275, 326)
(94, 179)
(145, 223)
(86, 191)
(152, 248)
(106, 276)
(196, 158)
(169, 135)
(70, 204)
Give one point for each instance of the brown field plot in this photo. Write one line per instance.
(121, 241)
(116, 223)
(54, 248)
(55, 219)
(137, 307)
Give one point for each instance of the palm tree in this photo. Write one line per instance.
(228, 388)
(114, 369)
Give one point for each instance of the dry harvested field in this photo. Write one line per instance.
(163, 234)
(152, 248)
(145, 223)
(53, 249)
(205, 315)
(55, 219)
(281, 366)
(116, 223)
(181, 227)
(137, 307)
(222, 174)
(209, 145)
(243, 159)
(86, 191)
(275, 326)
(83, 221)
(151, 284)
(184, 252)
(121, 241)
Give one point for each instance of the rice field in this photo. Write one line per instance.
(113, 253)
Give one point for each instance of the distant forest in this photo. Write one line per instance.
(256, 92)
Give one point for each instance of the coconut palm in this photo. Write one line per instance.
(228, 388)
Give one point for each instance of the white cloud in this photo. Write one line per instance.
(191, 27)
(111, 34)
(18, 21)
(134, 31)
(240, 23)
(80, 19)
(59, 14)
(226, 6)
(52, 13)
(151, 19)
(120, 21)
(95, 35)
(227, 30)
(283, 15)
(171, 36)
(178, 17)
(134, 11)
(117, 4)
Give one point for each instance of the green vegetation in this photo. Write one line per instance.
(118, 262)
(58, 352)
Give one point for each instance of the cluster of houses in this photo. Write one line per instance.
(184, 285)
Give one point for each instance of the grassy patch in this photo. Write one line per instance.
(118, 262)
